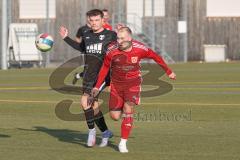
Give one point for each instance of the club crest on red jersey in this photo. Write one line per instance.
(134, 59)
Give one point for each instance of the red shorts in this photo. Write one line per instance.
(120, 93)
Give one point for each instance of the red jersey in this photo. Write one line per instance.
(125, 66)
(107, 26)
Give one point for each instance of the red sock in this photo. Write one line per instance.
(126, 126)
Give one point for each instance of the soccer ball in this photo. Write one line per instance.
(44, 42)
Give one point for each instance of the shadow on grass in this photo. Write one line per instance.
(4, 136)
(69, 136)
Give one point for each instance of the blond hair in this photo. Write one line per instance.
(125, 29)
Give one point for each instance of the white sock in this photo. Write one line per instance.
(78, 76)
(123, 141)
(92, 130)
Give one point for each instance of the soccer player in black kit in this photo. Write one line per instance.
(78, 39)
(94, 44)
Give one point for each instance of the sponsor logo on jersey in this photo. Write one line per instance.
(95, 48)
(101, 37)
(134, 59)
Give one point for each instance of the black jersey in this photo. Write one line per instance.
(94, 46)
(79, 34)
(82, 30)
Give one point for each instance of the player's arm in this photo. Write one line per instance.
(103, 71)
(78, 39)
(74, 44)
(64, 34)
(158, 59)
(102, 74)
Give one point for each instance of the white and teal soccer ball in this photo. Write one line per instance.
(44, 42)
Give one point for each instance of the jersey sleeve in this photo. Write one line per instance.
(74, 44)
(79, 33)
(158, 59)
(104, 70)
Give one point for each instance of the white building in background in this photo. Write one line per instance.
(223, 8)
(34, 9)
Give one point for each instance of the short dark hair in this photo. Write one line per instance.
(105, 10)
(95, 12)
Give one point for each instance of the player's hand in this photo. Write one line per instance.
(90, 100)
(172, 76)
(63, 32)
(92, 97)
(94, 92)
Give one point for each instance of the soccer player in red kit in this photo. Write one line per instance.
(124, 61)
(106, 18)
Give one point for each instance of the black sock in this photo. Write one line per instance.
(100, 121)
(89, 114)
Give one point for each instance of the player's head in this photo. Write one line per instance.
(106, 16)
(95, 19)
(124, 38)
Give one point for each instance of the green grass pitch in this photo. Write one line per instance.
(199, 119)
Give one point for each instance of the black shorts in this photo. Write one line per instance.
(89, 81)
(87, 88)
